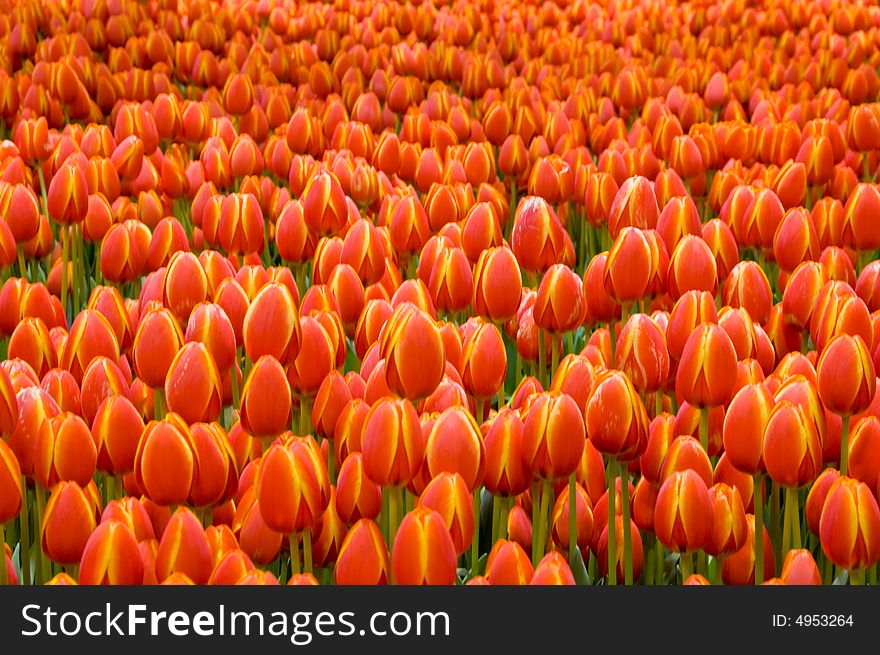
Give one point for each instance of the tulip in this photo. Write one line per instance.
(538, 238)
(508, 564)
(68, 522)
(552, 570)
(192, 386)
(634, 205)
(363, 557)
(293, 490)
(641, 353)
(497, 284)
(849, 526)
(111, 556)
(800, 568)
(356, 496)
(163, 463)
(684, 516)
(271, 325)
(184, 549)
(64, 451)
(483, 363)
(423, 551)
(846, 383)
(258, 541)
(413, 351)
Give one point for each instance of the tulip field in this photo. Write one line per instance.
(453, 292)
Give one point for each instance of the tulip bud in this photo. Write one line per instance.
(423, 551)
(163, 462)
(684, 516)
(363, 557)
(392, 442)
(111, 557)
(850, 525)
(184, 549)
(68, 522)
(508, 564)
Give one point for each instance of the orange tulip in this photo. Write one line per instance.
(616, 420)
(68, 522)
(111, 556)
(117, 427)
(413, 351)
(508, 564)
(553, 435)
(293, 488)
(634, 205)
(356, 496)
(641, 353)
(705, 371)
(423, 551)
(65, 451)
(163, 462)
(156, 343)
(271, 325)
(192, 386)
(363, 557)
(184, 549)
(684, 515)
(392, 442)
(258, 541)
(850, 525)
(792, 448)
(799, 568)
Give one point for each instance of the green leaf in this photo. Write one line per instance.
(842, 578)
(16, 560)
(579, 569)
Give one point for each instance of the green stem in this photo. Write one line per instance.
(786, 525)
(774, 523)
(3, 575)
(658, 403)
(384, 515)
(22, 269)
(294, 554)
(759, 529)
(686, 561)
(160, 409)
(536, 506)
(393, 513)
(236, 393)
(544, 519)
(612, 522)
(496, 517)
(611, 341)
(794, 518)
(307, 550)
(554, 356)
(719, 564)
(475, 542)
(857, 577)
(627, 536)
(542, 359)
(65, 256)
(506, 504)
(305, 416)
(704, 429)
(659, 562)
(43, 558)
(649, 569)
(844, 445)
(572, 517)
(25, 533)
